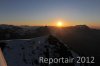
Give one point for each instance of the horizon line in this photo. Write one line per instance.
(96, 27)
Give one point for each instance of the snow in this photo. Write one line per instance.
(26, 52)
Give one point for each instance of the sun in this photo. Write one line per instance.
(59, 24)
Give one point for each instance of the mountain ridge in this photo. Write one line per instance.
(26, 52)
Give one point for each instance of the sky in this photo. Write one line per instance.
(47, 12)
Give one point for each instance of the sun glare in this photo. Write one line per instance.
(59, 24)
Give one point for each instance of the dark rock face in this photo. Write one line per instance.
(59, 50)
(26, 52)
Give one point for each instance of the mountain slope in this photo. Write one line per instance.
(26, 52)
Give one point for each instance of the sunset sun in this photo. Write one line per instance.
(59, 24)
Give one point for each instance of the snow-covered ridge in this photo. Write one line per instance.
(26, 52)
